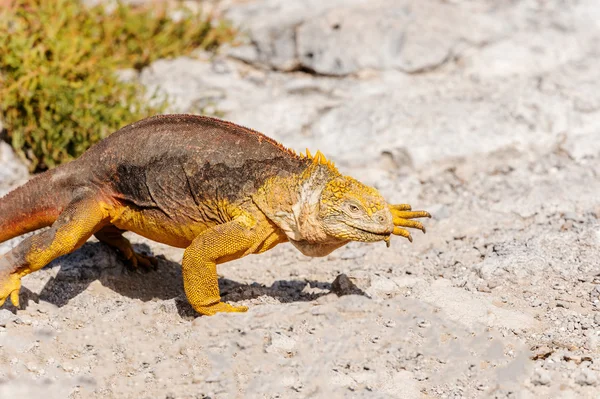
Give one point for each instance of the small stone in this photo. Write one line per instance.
(586, 376)
(423, 323)
(389, 323)
(571, 216)
(26, 321)
(597, 319)
(536, 303)
(574, 359)
(342, 285)
(541, 377)
(567, 226)
(484, 288)
(585, 324)
(7, 317)
(494, 283)
(542, 353)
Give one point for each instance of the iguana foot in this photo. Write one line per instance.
(219, 307)
(402, 214)
(113, 237)
(139, 261)
(9, 287)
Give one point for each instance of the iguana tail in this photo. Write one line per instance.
(32, 206)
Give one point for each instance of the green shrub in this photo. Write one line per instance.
(59, 91)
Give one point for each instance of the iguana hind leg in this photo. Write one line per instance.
(113, 236)
(80, 219)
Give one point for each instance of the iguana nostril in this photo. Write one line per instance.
(380, 218)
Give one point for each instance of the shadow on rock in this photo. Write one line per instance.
(99, 262)
(284, 291)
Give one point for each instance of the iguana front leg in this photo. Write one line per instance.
(402, 214)
(219, 244)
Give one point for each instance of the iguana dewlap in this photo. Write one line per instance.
(217, 189)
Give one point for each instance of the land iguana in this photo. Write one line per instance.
(219, 190)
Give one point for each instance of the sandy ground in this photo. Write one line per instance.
(485, 113)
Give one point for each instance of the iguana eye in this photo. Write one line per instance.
(353, 208)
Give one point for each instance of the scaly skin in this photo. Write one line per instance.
(217, 189)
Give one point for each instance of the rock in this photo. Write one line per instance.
(372, 124)
(542, 352)
(7, 317)
(525, 53)
(572, 216)
(452, 109)
(271, 26)
(342, 285)
(473, 309)
(186, 82)
(280, 342)
(517, 260)
(535, 302)
(352, 252)
(339, 38)
(342, 40)
(278, 106)
(585, 376)
(12, 170)
(400, 381)
(541, 377)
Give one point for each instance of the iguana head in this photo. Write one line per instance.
(350, 210)
(320, 210)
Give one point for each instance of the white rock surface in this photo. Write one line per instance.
(12, 170)
(486, 113)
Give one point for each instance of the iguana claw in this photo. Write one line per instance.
(10, 287)
(402, 214)
(139, 261)
(220, 307)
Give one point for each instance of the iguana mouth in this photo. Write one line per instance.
(372, 236)
(372, 232)
(378, 236)
(382, 232)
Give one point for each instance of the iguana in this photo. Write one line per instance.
(219, 190)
